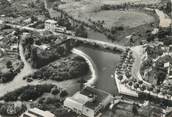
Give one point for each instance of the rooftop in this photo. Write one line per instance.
(51, 21)
(37, 112)
(167, 64)
(99, 96)
(80, 98)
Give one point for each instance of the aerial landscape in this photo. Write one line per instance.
(85, 58)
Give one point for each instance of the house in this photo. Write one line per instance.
(2, 51)
(35, 112)
(14, 47)
(155, 31)
(89, 101)
(60, 29)
(50, 25)
(168, 66)
(1, 37)
(170, 48)
(1, 21)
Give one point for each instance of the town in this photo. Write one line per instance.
(85, 58)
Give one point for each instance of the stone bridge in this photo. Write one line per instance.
(82, 41)
(97, 44)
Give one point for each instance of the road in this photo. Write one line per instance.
(89, 40)
(138, 52)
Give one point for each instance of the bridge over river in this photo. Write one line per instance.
(86, 41)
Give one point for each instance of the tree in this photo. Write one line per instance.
(120, 77)
(64, 22)
(128, 75)
(143, 88)
(140, 82)
(9, 64)
(55, 91)
(113, 30)
(168, 7)
(63, 94)
(134, 109)
(81, 31)
(130, 83)
(167, 40)
(31, 4)
(136, 85)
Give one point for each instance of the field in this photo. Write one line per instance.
(115, 2)
(85, 10)
(124, 18)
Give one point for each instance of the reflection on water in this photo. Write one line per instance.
(105, 63)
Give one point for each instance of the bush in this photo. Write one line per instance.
(63, 94)
(64, 69)
(28, 92)
(12, 109)
(55, 91)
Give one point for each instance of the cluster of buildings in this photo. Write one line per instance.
(53, 26)
(89, 101)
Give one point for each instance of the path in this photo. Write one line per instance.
(138, 53)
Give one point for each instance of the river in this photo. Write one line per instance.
(103, 63)
(104, 66)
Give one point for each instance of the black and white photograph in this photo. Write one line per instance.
(85, 58)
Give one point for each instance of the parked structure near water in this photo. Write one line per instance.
(89, 101)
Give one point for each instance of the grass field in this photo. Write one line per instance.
(83, 10)
(122, 18)
(129, 18)
(116, 2)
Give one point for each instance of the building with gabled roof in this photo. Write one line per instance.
(50, 25)
(35, 112)
(89, 101)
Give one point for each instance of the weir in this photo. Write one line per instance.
(92, 66)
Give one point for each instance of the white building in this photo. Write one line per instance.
(35, 112)
(88, 102)
(1, 21)
(14, 47)
(61, 29)
(1, 37)
(50, 25)
(168, 66)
